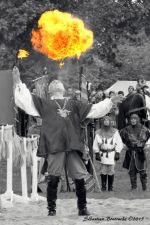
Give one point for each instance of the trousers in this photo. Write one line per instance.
(71, 160)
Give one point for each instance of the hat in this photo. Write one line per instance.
(134, 115)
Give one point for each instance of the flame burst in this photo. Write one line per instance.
(60, 35)
(22, 54)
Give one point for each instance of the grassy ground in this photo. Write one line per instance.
(121, 183)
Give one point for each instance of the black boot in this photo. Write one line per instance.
(103, 182)
(81, 196)
(52, 184)
(133, 180)
(143, 178)
(110, 182)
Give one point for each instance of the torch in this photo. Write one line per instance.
(20, 55)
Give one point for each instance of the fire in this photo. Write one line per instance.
(22, 54)
(60, 35)
(61, 64)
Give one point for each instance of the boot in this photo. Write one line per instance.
(103, 182)
(110, 182)
(143, 178)
(133, 180)
(81, 196)
(52, 184)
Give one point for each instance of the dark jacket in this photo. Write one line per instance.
(61, 134)
(133, 103)
(135, 144)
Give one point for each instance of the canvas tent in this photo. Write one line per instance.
(122, 85)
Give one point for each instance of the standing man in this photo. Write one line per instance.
(131, 90)
(107, 147)
(135, 136)
(61, 140)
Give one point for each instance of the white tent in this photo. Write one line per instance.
(122, 85)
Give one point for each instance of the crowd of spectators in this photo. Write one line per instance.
(109, 139)
(99, 95)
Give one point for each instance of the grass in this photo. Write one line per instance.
(121, 183)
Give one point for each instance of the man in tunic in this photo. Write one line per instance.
(61, 138)
(135, 136)
(107, 147)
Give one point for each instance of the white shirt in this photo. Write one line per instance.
(23, 99)
(147, 100)
(113, 143)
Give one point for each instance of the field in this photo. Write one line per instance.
(121, 204)
(121, 182)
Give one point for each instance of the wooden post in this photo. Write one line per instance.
(34, 195)
(9, 168)
(9, 190)
(24, 172)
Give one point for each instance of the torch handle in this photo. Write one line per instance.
(16, 62)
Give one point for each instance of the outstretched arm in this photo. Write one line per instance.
(147, 100)
(22, 96)
(102, 108)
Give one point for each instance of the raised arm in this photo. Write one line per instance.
(22, 96)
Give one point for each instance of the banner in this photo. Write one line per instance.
(83, 86)
(7, 112)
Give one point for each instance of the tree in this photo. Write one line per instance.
(115, 23)
(16, 22)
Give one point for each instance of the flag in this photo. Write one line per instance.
(83, 87)
(84, 92)
(89, 183)
(41, 86)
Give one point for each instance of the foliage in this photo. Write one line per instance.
(120, 50)
(17, 20)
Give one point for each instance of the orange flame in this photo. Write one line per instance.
(60, 35)
(22, 54)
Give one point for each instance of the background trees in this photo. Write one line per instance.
(121, 45)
